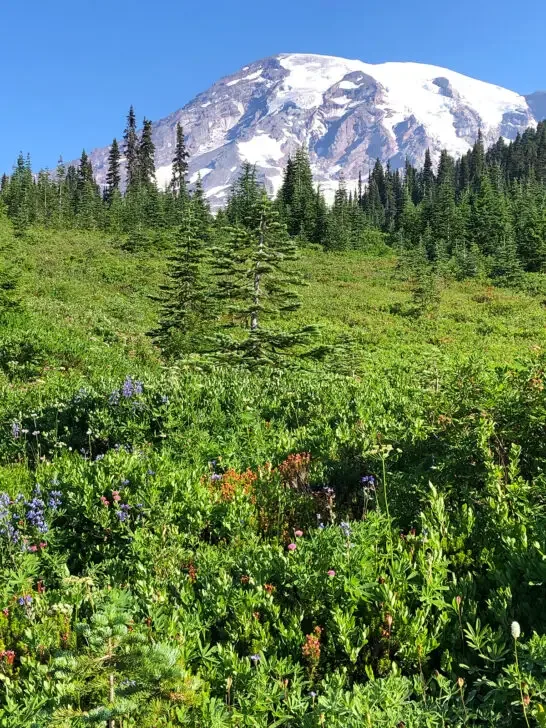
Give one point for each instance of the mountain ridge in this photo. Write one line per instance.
(345, 112)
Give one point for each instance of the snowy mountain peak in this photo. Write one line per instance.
(347, 113)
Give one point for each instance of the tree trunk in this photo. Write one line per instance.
(257, 276)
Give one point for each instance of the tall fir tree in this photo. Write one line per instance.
(297, 197)
(242, 206)
(113, 175)
(180, 165)
(257, 286)
(87, 195)
(130, 149)
(146, 156)
(186, 301)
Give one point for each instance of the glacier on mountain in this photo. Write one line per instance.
(347, 113)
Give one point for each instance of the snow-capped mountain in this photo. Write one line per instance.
(346, 112)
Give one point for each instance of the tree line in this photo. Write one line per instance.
(232, 275)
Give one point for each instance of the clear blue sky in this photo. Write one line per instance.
(71, 68)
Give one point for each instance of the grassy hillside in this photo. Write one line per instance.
(358, 544)
(88, 303)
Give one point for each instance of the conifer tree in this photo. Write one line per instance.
(242, 206)
(87, 194)
(180, 164)
(63, 212)
(488, 222)
(130, 149)
(187, 305)
(477, 161)
(113, 175)
(44, 199)
(254, 268)
(201, 210)
(506, 269)
(19, 196)
(339, 235)
(146, 156)
(297, 197)
(529, 214)
(320, 233)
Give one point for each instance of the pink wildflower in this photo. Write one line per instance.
(331, 572)
(292, 546)
(116, 496)
(298, 533)
(105, 502)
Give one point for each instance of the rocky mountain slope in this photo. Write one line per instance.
(346, 112)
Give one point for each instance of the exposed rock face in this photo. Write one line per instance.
(537, 104)
(346, 112)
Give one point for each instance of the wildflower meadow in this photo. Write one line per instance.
(355, 542)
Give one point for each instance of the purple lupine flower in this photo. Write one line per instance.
(255, 658)
(131, 388)
(55, 499)
(150, 471)
(99, 457)
(125, 507)
(35, 514)
(16, 430)
(7, 529)
(114, 397)
(125, 482)
(345, 527)
(5, 502)
(164, 399)
(122, 515)
(368, 481)
(216, 476)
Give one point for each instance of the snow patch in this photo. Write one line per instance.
(163, 176)
(250, 77)
(348, 85)
(201, 172)
(261, 150)
(342, 100)
(204, 106)
(253, 76)
(309, 78)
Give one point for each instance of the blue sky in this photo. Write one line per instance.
(71, 68)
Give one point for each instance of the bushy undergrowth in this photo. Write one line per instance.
(227, 549)
(224, 548)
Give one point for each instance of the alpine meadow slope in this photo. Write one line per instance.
(346, 113)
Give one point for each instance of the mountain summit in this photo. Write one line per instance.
(347, 113)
